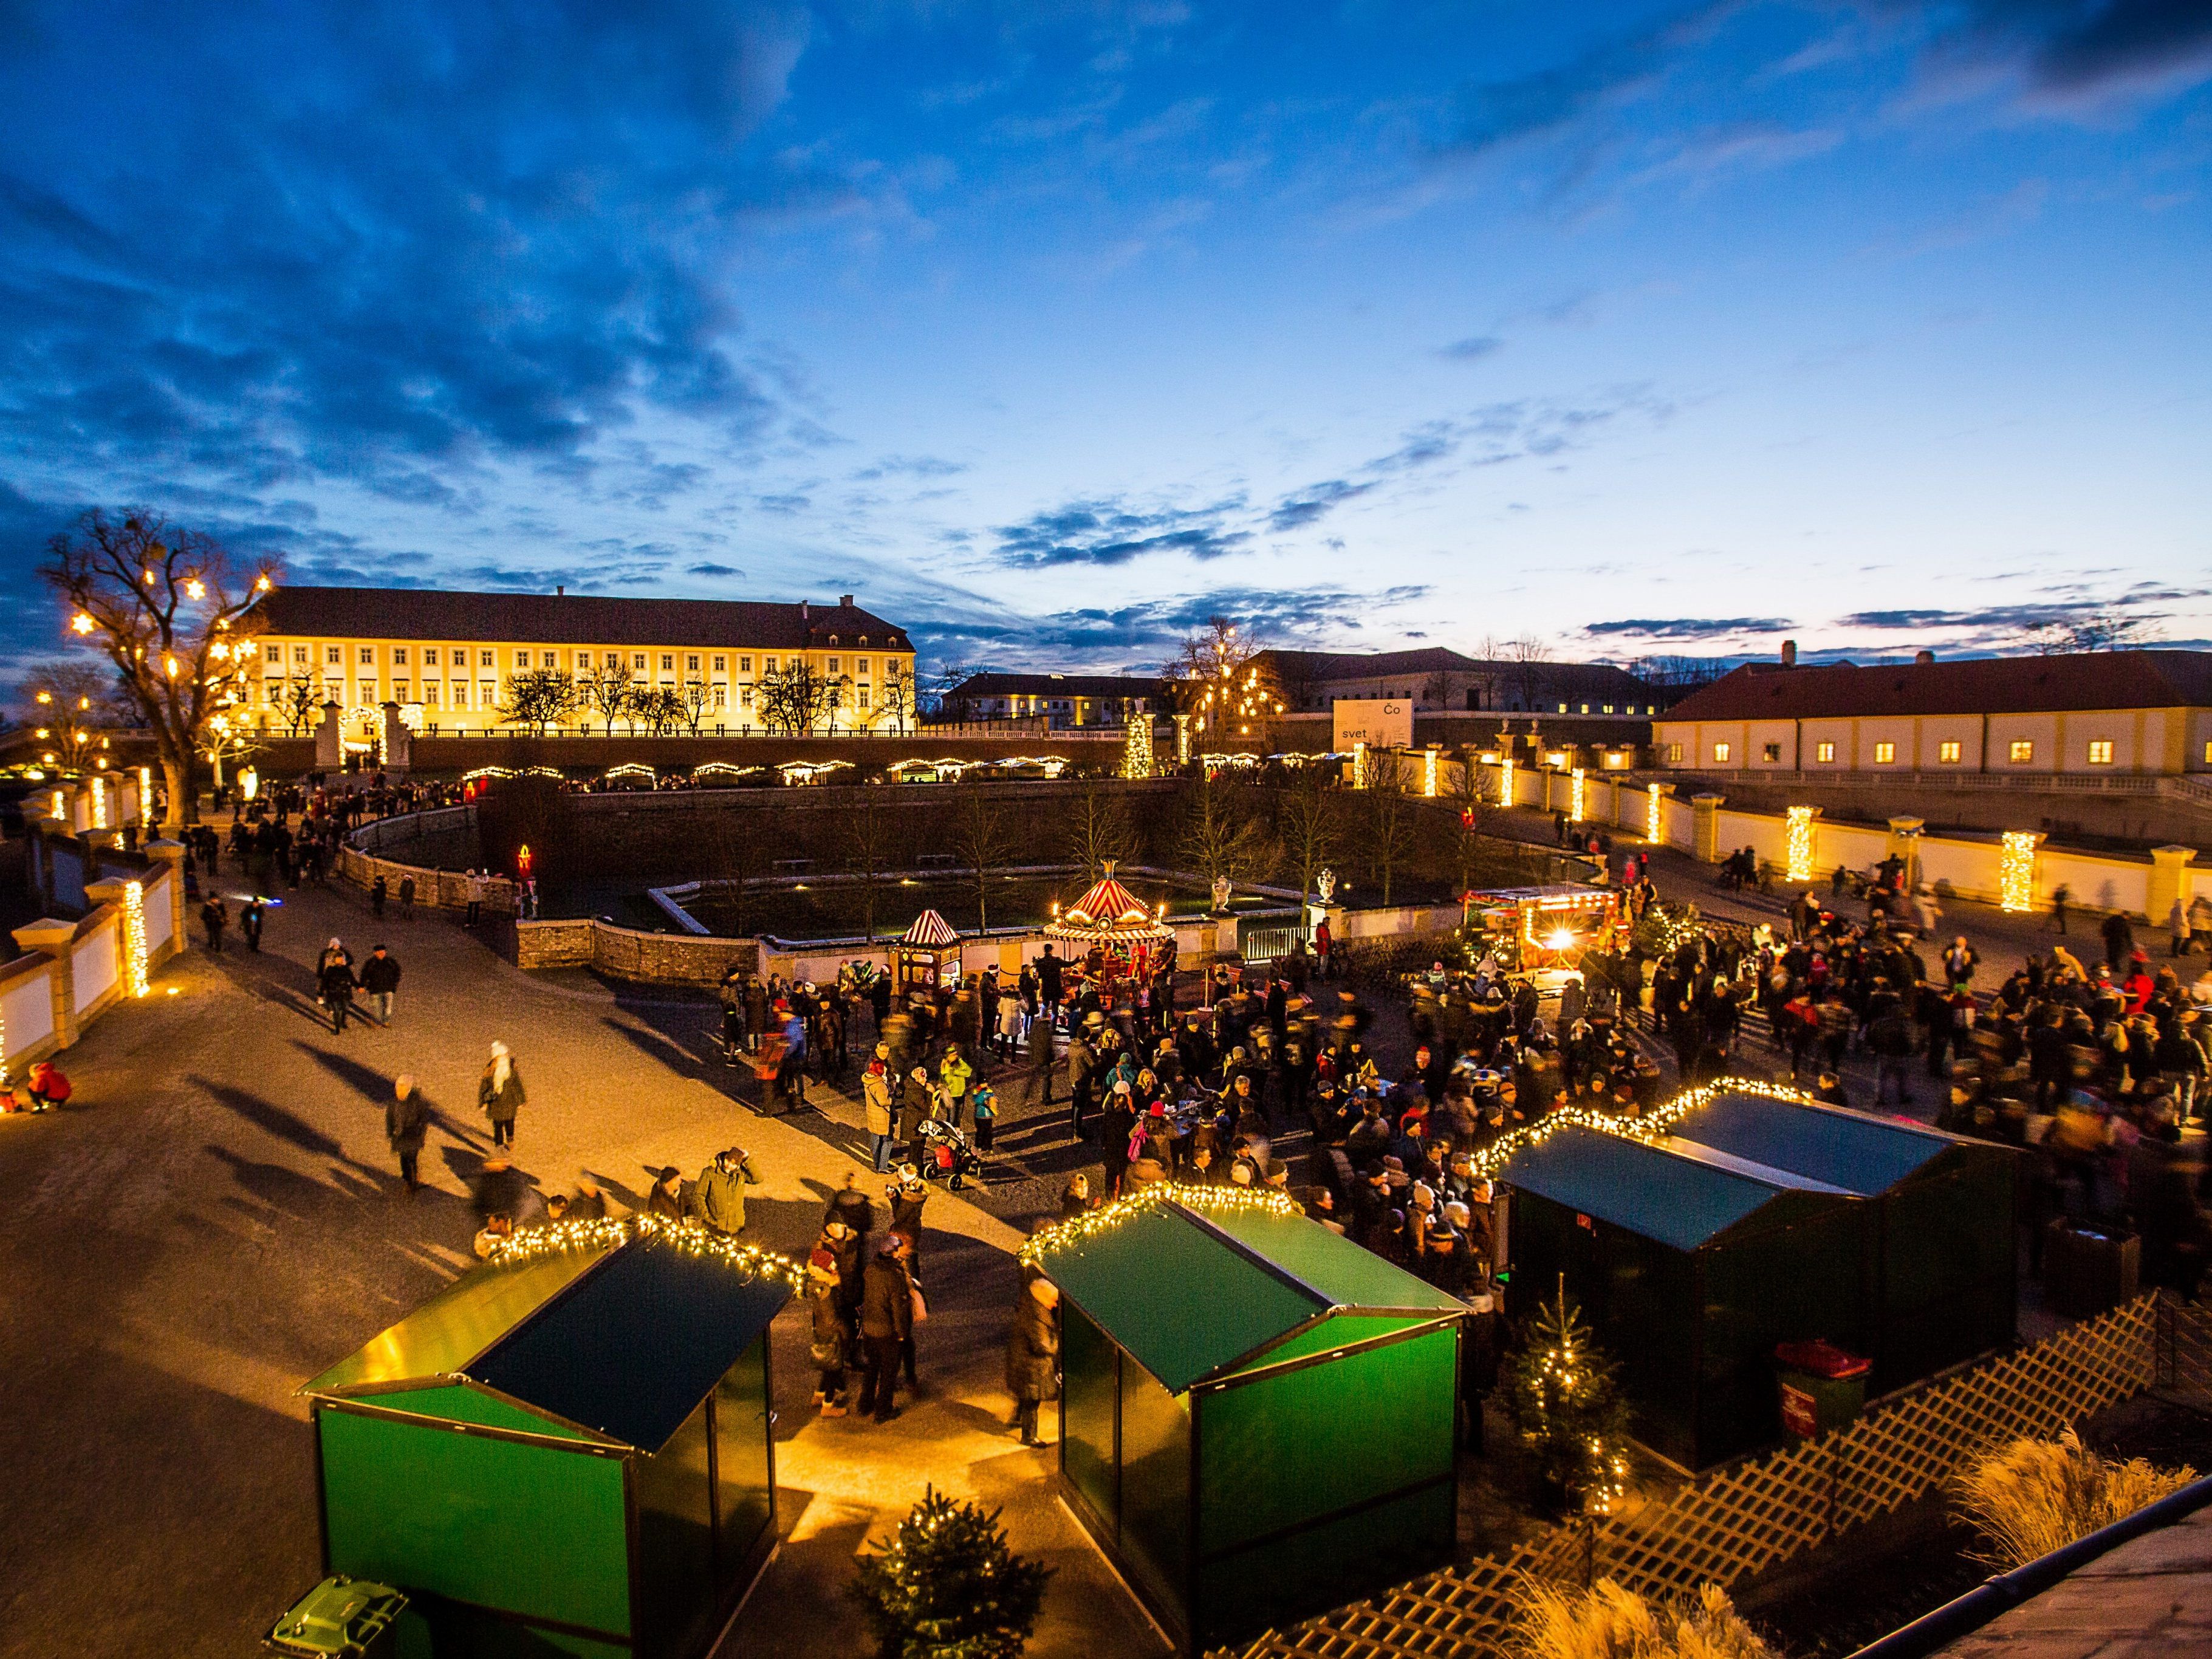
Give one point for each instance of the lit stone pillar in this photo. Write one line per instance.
(330, 745)
(2170, 879)
(1705, 827)
(53, 937)
(397, 739)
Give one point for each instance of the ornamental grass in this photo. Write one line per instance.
(2033, 1497)
(1608, 1622)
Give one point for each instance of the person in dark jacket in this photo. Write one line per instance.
(1033, 1352)
(666, 1197)
(249, 923)
(886, 1324)
(719, 1199)
(828, 1352)
(215, 916)
(335, 983)
(406, 1122)
(379, 979)
(589, 1203)
(500, 1094)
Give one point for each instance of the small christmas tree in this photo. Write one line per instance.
(946, 1586)
(1564, 1395)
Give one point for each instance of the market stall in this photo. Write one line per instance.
(1539, 934)
(567, 1449)
(925, 956)
(1276, 1436)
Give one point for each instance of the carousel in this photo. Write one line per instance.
(1129, 940)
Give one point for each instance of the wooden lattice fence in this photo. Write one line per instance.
(1751, 1516)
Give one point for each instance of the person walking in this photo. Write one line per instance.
(2061, 896)
(1033, 1352)
(887, 1307)
(826, 1354)
(249, 923)
(2119, 940)
(719, 1199)
(500, 1094)
(406, 1122)
(2177, 926)
(379, 890)
(473, 885)
(335, 983)
(215, 916)
(954, 1076)
(379, 980)
(407, 898)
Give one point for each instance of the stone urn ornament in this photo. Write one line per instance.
(1325, 883)
(1220, 895)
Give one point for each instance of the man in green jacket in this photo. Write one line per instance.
(719, 1199)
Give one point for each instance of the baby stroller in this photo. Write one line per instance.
(946, 1156)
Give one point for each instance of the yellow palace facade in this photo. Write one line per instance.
(446, 659)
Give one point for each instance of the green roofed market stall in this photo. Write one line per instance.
(1258, 1416)
(1762, 1219)
(566, 1451)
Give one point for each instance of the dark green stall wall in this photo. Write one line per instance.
(1790, 1284)
(1087, 1408)
(1345, 1560)
(1948, 1277)
(674, 1495)
(1154, 1484)
(1293, 1448)
(529, 1528)
(742, 1462)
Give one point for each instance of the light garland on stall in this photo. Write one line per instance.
(1077, 1231)
(135, 978)
(2016, 871)
(1654, 823)
(693, 1238)
(1649, 1129)
(629, 769)
(1798, 844)
(1137, 748)
(725, 769)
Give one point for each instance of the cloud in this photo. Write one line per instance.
(1099, 533)
(718, 570)
(1473, 349)
(1315, 503)
(1497, 113)
(2072, 48)
(909, 466)
(1687, 628)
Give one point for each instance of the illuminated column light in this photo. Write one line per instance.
(98, 802)
(1654, 823)
(145, 794)
(1799, 847)
(1183, 739)
(1429, 772)
(1505, 782)
(1577, 795)
(1137, 748)
(134, 938)
(2016, 871)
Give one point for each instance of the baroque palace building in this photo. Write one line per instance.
(446, 659)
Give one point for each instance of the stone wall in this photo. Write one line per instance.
(625, 953)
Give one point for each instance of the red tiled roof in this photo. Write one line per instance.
(1967, 685)
(429, 614)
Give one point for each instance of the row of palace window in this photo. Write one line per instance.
(456, 694)
(640, 661)
(1949, 752)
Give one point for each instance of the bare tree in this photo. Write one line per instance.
(981, 837)
(72, 706)
(1387, 830)
(737, 844)
(606, 689)
(537, 698)
(694, 699)
(867, 835)
(173, 615)
(1463, 789)
(797, 698)
(943, 698)
(895, 701)
(1309, 823)
(1221, 834)
(2105, 627)
(1436, 689)
(300, 702)
(1095, 829)
(1527, 658)
(657, 708)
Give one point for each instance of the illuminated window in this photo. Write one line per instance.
(668, 662)
(2100, 751)
(485, 660)
(1772, 753)
(331, 653)
(1673, 754)
(430, 695)
(691, 662)
(1947, 751)
(299, 654)
(833, 665)
(1720, 754)
(430, 657)
(1609, 709)
(1825, 753)
(864, 696)
(637, 660)
(721, 696)
(272, 652)
(400, 691)
(2207, 751)
(2023, 751)
(744, 664)
(1885, 754)
(368, 654)
(1563, 708)
(398, 656)
(721, 665)
(1585, 708)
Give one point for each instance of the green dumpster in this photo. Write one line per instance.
(1823, 1388)
(341, 1618)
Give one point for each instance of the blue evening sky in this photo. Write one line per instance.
(1048, 328)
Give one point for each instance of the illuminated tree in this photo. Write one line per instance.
(173, 614)
(1219, 680)
(1563, 1393)
(946, 1586)
(72, 709)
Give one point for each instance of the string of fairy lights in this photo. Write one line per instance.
(1077, 1231)
(1137, 748)
(135, 978)
(1651, 1129)
(750, 1261)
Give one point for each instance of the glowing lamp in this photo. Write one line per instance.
(1654, 823)
(196, 589)
(1798, 844)
(2016, 871)
(81, 623)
